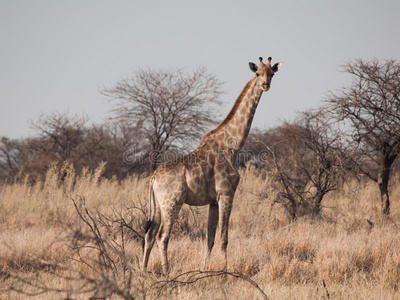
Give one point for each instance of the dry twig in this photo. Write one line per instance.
(196, 275)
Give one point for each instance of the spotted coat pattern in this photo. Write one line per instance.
(206, 176)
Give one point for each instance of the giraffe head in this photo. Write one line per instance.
(265, 72)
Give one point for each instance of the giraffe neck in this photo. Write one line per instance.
(238, 127)
(234, 129)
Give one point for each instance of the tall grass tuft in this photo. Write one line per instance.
(349, 252)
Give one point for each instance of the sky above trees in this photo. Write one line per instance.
(58, 55)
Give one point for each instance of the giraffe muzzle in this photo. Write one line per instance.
(265, 86)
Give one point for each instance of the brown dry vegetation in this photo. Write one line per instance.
(349, 252)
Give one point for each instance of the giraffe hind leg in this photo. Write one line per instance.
(164, 233)
(152, 227)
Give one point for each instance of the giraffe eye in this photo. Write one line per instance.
(257, 74)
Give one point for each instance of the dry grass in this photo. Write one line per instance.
(350, 247)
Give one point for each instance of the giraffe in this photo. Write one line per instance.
(206, 176)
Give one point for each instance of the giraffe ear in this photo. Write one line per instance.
(276, 67)
(253, 67)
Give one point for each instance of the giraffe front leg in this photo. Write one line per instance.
(225, 206)
(211, 229)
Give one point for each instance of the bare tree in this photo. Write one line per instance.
(173, 108)
(369, 110)
(62, 133)
(59, 138)
(306, 161)
(108, 142)
(9, 165)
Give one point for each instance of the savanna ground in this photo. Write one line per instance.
(72, 236)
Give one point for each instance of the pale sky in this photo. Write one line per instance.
(56, 55)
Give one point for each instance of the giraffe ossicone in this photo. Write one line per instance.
(208, 175)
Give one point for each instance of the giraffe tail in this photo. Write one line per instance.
(152, 203)
(147, 226)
